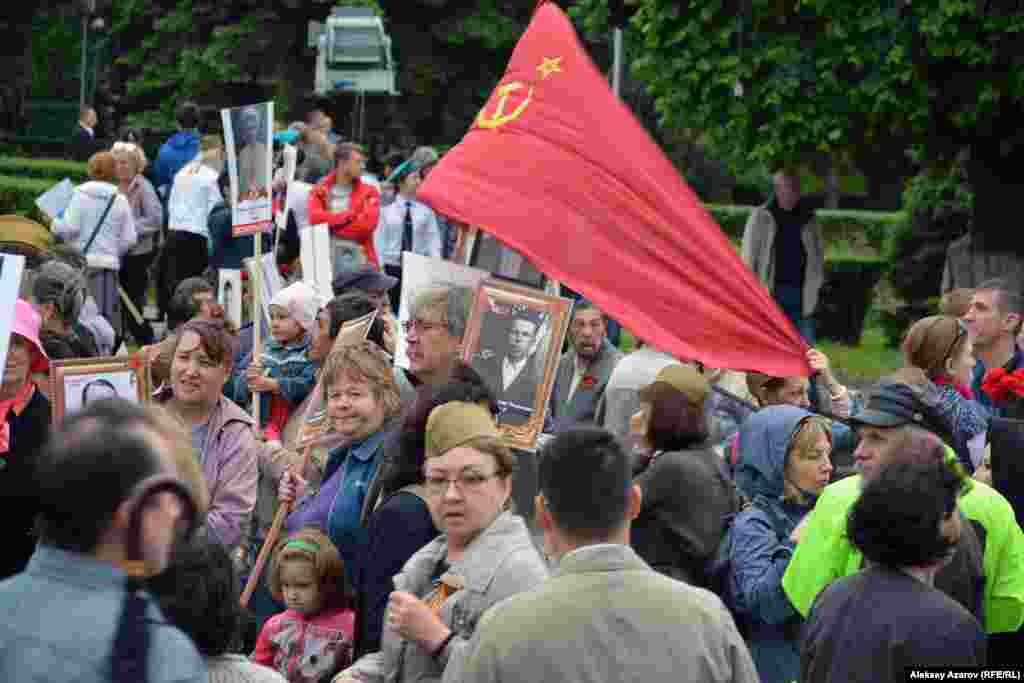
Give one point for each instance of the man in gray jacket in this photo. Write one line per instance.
(604, 615)
(782, 245)
(111, 507)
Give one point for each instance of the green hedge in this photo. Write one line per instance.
(843, 230)
(18, 195)
(51, 169)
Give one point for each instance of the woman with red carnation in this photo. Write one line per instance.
(939, 362)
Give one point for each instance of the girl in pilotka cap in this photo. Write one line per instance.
(284, 374)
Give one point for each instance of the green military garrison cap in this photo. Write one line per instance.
(684, 378)
(456, 423)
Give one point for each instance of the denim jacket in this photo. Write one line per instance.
(58, 620)
(289, 365)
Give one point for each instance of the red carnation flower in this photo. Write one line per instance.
(588, 381)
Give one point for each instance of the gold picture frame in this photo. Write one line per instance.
(77, 382)
(514, 340)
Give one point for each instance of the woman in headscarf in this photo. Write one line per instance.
(785, 464)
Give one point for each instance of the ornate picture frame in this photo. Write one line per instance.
(77, 382)
(514, 339)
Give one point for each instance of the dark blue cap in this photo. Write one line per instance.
(366, 279)
(892, 404)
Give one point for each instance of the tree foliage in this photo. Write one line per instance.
(778, 81)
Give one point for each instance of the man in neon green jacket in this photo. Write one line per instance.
(894, 423)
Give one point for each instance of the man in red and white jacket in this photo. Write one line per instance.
(350, 207)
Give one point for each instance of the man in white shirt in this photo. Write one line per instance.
(405, 225)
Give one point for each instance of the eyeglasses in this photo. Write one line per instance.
(422, 326)
(468, 481)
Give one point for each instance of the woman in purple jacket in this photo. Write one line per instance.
(222, 433)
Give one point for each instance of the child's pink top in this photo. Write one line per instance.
(307, 649)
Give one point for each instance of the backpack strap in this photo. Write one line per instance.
(99, 224)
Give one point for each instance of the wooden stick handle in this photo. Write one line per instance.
(271, 540)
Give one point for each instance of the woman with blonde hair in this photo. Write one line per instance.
(130, 162)
(785, 466)
(362, 404)
(939, 363)
(99, 222)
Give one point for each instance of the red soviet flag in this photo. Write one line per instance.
(556, 167)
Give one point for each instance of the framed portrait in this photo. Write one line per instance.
(422, 272)
(76, 383)
(514, 340)
(230, 294)
(248, 139)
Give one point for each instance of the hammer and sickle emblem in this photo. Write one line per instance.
(499, 117)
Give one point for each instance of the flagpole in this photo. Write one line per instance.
(617, 61)
(257, 298)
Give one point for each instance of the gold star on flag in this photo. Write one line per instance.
(549, 66)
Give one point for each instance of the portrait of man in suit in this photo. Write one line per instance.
(512, 370)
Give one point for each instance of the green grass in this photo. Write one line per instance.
(863, 365)
(858, 366)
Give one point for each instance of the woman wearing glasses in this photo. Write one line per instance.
(484, 555)
(938, 353)
(785, 466)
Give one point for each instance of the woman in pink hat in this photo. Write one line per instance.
(24, 427)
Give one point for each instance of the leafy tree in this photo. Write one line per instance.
(783, 81)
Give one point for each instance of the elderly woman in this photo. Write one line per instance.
(99, 222)
(785, 466)
(686, 493)
(59, 293)
(24, 427)
(148, 213)
(939, 364)
(221, 432)
(485, 555)
(397, 513)
(362, 403)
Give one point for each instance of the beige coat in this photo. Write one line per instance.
(500, 562)
(758, 251)
(607, 616)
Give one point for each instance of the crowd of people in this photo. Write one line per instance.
(685, 522)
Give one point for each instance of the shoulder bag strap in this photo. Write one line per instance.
(99, 224)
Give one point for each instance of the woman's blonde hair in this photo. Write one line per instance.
(805, 439)
(313, 546)
(364, 362)
(129, 150)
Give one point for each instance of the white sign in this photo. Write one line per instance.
(248, 138)
(229, 294)
(420, 272)
(315, 253)
(53, 202)
(11, 267)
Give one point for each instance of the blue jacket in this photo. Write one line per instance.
(59, 618)
(180, 149)
(289, 365)
(760, 548)
(359, 464)
(226, 250)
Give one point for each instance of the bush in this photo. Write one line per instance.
(52, 169)
(873, 230)
(18, 195)
(846, 297)
(940, 205)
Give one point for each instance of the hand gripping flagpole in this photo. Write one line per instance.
(272, 535)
